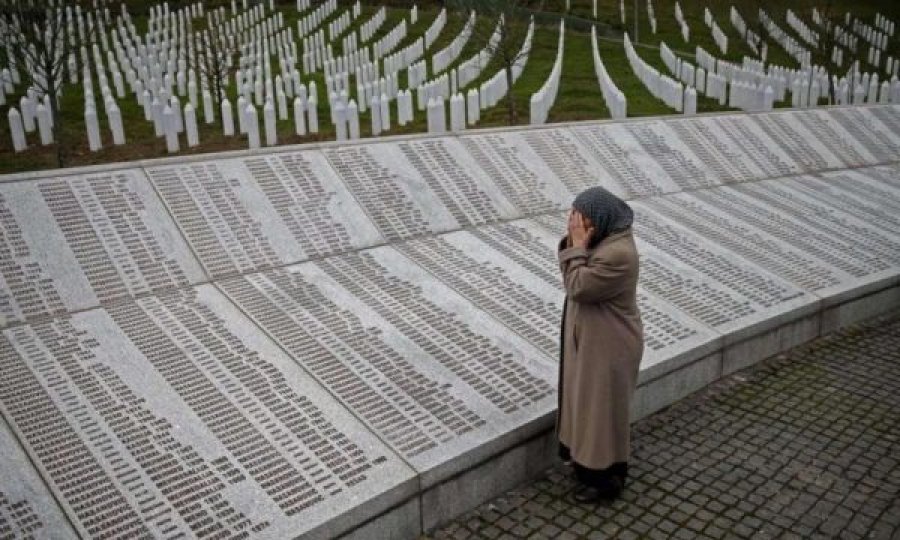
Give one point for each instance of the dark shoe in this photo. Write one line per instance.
(593, 494)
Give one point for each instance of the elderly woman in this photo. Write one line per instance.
(602, 343)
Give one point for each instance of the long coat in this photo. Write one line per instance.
(602, 344)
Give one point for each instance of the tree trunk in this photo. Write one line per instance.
(512, 115)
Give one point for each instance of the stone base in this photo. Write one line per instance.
(661, 392)
(491, 478)
(860, 309)
(770, 343)
(399, 523)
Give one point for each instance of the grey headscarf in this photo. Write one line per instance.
(608, 213)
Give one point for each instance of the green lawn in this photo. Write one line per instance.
(579, 94)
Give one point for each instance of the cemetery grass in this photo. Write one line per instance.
(579, 95)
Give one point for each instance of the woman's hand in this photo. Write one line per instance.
(580, 232)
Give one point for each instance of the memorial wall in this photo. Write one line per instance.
(318, 340)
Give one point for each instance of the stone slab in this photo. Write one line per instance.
(769, 238)
(875, 202)
(174, 413)
(672, 155)
(27, 507)
(871, 256)
(868, 131)
(746, 137)
(726, 160)
(828, 130)
(756, 299)
(375, 328)
(244, 215)
(521, 174)
(623, 158)
(886, 120)
(707, 293)
(563, 154)
(783, 130)
(417, 187)
(77, 242)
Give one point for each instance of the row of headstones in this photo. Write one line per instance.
(405, 57)
(797, 51)
(370, 27)
(434, 30)
(389, 41)
(679, 17)
(801, 28)
(750, 37)
(613, 97)
(651, 15)
(37, 112)
(712, 76)
(446, 56)
(341, 23)
(842, 36)
(358, 63)
(662, 87)
(171, 123)
(115, 118)
(338, 96)
(808, 87)
(876, 37)
(445, 86)
(153, 108)
(884, 24)
(469, 69)
(543, 99)
(756, 72)
(718, 35)
(310, 22)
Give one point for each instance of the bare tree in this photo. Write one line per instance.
(506, 46)
(37, 35)
(822, 52)
(212, 58)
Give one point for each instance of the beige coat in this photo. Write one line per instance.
(602, 344)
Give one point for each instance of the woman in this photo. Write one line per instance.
(602, 343)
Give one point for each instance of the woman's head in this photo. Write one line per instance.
(606, 212)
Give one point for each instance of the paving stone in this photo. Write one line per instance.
(799, 446)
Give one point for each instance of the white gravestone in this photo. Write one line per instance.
(376, 116)
(353, 120)
(312, 112)
(251, 122)
(115, 124)
(190, 125)
(44, 127)
(269, 120)
(93, 129)
(171, 127)
(227, 118)
(299, 116)
(17, 130)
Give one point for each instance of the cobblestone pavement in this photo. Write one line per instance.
(805, 445)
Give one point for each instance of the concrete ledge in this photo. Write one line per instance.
(770, 343)
(399, 523)
(859, 309)
(659, 393)
(531, 450)
(487, 480)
